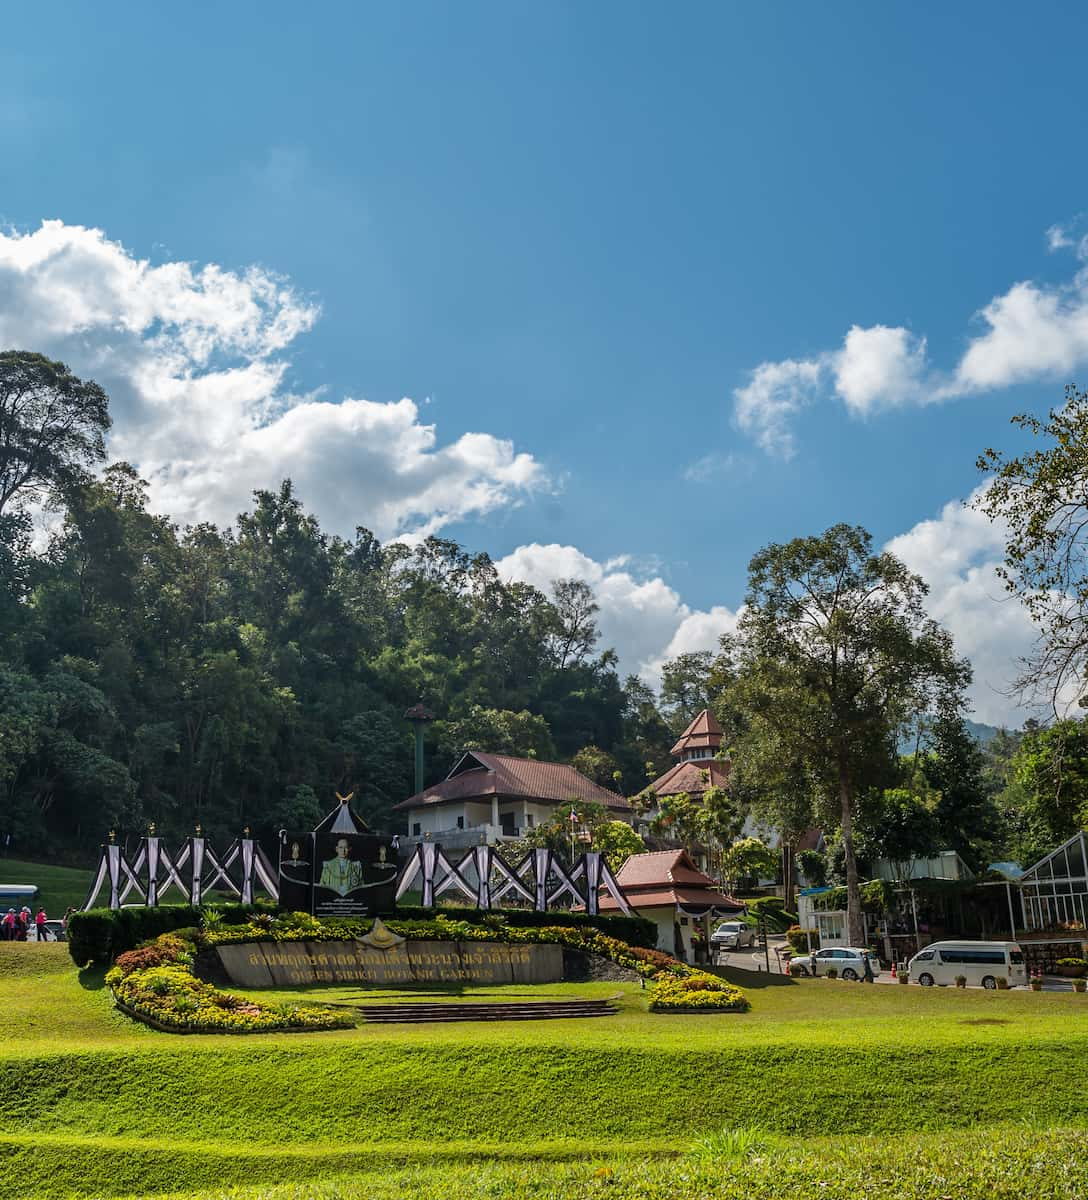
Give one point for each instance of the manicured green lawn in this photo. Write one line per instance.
(94, 1105)
(59, 888)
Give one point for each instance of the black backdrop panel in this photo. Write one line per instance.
(296, 871)
(354, 874)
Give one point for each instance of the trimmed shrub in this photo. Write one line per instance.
(99, 935)
(799, 939)
(90, 935)
(773, 909)
(635, 931)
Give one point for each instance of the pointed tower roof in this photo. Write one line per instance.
(704, 733)
(342, 819)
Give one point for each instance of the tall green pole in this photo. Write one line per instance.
(420, 717)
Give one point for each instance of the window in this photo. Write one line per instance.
(506, 820)
(1016, 956)
(925, 956)
(416, 829)
(530, 820)
(460, 822)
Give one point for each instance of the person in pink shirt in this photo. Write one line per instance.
(39, 925)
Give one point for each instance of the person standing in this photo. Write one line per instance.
(39, 925)
(8, 925)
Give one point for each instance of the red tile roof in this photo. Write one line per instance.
(703, 733)
(665, 877)
(688, 777)
(477, 775)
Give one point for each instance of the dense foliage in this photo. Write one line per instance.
(232, 677)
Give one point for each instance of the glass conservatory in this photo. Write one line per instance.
(1055, 891)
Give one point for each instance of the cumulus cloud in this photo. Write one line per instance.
(878, 367)
(641, 617)
(1031, 331)
(774, 393)
(957, 553)
(196, 363)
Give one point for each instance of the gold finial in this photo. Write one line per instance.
(113, 836)
(151, 829)
(345, 799)
(199, 829)
(245, 832)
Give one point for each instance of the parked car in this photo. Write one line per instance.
(978, 962)
(849, 961)
(55, 931)
(732, 935)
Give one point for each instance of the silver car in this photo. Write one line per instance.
(732, 935)
(848, 961)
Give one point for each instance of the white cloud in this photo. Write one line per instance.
(1031, 331)
(716, 465)
(642, 618)
(879, 367)
(957, 554)
(774, 393)
(195, 364)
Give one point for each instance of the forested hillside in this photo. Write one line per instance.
(237, 676)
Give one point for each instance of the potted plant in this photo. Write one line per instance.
(1036, 983)
(831, 973)
(902, 974)
(1002, 983)
(1072, 968)
(1080, 984)
(961, 981)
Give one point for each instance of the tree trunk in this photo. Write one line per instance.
(854, 926)
(789, 875)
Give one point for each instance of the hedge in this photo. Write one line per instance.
(100, 934)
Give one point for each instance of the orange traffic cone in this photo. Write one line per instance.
(893, 969)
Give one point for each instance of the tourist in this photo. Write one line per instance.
(39, 926)
(8, 925)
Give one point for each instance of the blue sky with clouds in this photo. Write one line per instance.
(662, 283)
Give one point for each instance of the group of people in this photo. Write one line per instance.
(23, 925)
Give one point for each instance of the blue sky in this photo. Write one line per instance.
(578, 229)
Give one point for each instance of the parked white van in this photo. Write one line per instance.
(983, 963)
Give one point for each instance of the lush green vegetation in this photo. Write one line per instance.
(59, 888)
(93, 1104)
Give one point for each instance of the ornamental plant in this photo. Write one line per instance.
(156, 983)
(652, 965)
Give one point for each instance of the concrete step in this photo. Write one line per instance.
(531, 1011)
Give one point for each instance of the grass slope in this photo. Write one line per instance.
(59, 888)
(94, 1105)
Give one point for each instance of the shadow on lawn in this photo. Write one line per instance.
(92, 979)
(751, 980)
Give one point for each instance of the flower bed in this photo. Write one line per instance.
(702, 991)
(696, 993)
(155, 983)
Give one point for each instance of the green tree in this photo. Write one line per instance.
(897, 825)
(1050, 787)
(52, 427)
(836, 650)
(748, 860)
(1040, 499)
(967, 818)
(497, 731)
(598, 765)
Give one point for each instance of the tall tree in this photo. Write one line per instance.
(52, 427)
(837, 651)
(576, 632)
(1042, 499)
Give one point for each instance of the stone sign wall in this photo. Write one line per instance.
(279, 964)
